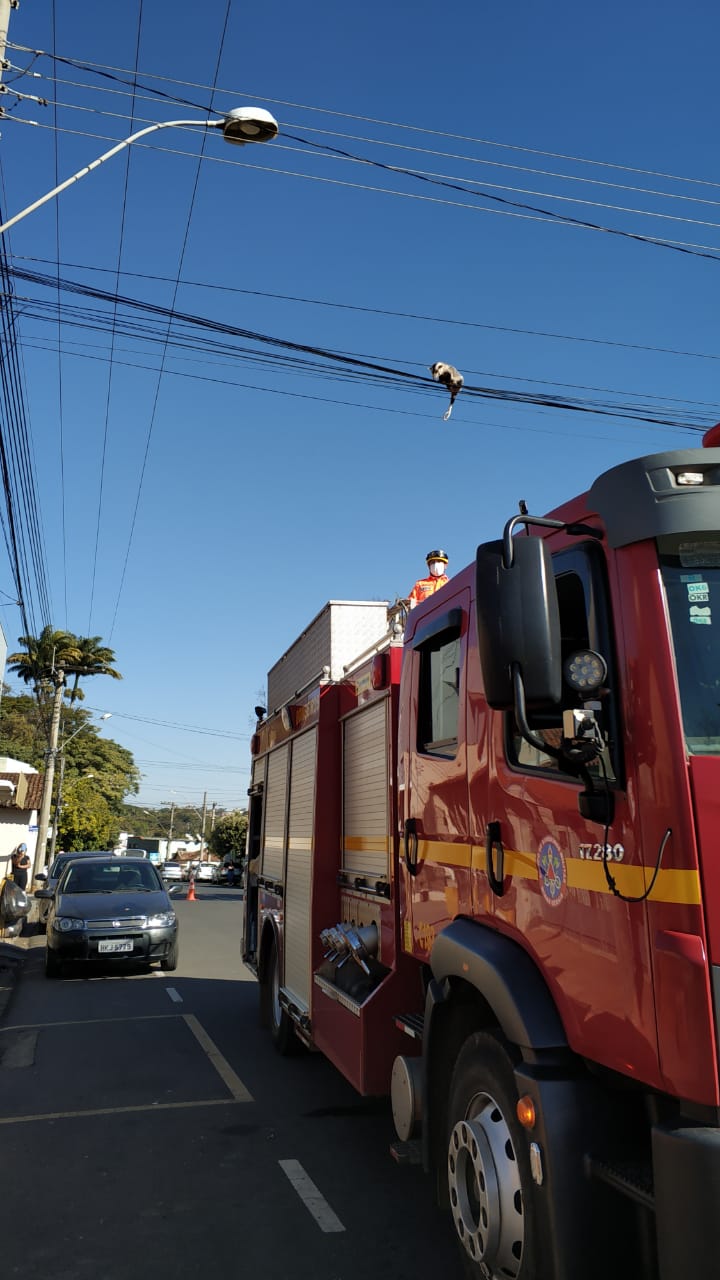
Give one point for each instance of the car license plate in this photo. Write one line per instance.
(111, 946)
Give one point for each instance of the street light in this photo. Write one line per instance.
(61, 776)
(241, 125)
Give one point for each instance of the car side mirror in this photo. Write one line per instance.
(41, 875)
(44, 893)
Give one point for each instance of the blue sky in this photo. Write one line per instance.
(269, 490)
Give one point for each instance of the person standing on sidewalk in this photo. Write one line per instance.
(20, 866)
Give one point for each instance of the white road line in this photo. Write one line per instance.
(116, 1111)
(87, 1022)
(221, 1064)
(174, 995)
(314, 1202)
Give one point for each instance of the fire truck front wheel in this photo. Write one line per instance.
(489, 1178)
(280, 1024)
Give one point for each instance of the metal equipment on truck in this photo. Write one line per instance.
(484, 876)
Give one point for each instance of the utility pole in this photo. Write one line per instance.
(44, 819)
(212, 816)
(170, 828)
(58, 807)
(5, 7)
(202, 829)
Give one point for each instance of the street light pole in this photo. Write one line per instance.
(61, 778)
(241, 125)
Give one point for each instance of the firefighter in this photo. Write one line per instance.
(437, 577)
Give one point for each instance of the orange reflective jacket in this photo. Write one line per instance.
(425, 587)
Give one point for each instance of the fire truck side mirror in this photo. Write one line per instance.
(518, 623)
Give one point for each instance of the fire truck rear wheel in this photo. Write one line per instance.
(281, 1027)
(489, 1177)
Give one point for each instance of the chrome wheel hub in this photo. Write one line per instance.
(485, 1190)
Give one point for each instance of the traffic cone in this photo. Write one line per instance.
(191, 892)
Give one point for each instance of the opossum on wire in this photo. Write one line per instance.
(450, 378)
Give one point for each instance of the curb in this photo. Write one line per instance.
(12, 959)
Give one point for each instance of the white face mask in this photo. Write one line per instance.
(437, 568)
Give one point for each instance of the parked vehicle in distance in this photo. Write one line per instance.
(171, 871)
(205, 871)
(52, 877)
(107, 908)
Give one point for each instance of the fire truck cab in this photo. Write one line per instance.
(483, 878)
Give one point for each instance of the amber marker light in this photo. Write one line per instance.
(526, 1111)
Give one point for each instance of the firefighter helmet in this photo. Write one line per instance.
(437, 555)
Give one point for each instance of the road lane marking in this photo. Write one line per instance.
(174, 995)
(314, 1202)
(88, 1022)
(117, 1111)
(221, 1064)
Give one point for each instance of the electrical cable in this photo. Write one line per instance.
(61, 414)
(169, 324)
(110, 72)
(511, 209)
(384, 311)
(113, 332)
(355, 363)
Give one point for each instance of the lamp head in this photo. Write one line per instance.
(249, 124)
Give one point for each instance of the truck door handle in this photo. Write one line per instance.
(410, 842)
(493, 845)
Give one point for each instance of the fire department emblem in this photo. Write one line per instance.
(551, 872)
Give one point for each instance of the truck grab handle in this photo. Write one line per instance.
(410, 841)
(493, 842)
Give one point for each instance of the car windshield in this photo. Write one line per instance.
(109, 877)
(690, 566)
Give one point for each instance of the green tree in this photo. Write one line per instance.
(22, 731)
(87, 821)
(227, 839)
(95, 659)
(42, 663)
(54, 653)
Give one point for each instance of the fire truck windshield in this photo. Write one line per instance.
(690, 564)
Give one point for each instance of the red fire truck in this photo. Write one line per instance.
(483, 876)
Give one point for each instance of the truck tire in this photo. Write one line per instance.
(489, 1177)
(281, 1026)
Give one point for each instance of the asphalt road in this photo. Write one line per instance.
(148, 1129)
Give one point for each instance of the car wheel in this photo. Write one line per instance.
(53, 966)
(489, 1176)
(170, 963)
(272, 1013)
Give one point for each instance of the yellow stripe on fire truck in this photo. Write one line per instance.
(631, 880)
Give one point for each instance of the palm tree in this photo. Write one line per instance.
(94, 659)
(45, 658)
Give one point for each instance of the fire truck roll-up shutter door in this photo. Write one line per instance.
(258, 772)
(298, 884)
(365, 794)
(275, 800)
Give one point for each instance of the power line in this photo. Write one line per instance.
(115, 73)
(354, 365)
(451, 321)
(172, 724)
